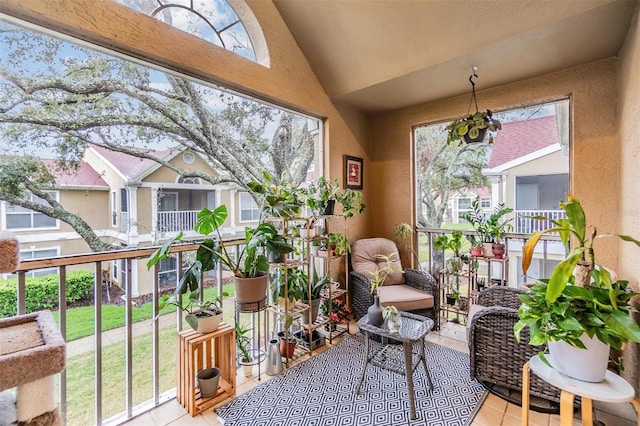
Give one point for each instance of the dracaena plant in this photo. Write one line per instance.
(580, 296)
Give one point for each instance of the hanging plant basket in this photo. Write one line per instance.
(473, 127)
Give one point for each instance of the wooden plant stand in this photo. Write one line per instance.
(198, 351)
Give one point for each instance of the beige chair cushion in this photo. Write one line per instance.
(364, 261)
(405, 297)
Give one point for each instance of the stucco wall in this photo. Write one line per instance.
(594, 151)
(628, 212)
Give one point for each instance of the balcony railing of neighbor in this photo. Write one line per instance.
(176, 221)
(524, 224)
(433, 259)
(97, 262)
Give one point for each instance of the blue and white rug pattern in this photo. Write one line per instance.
(321, 391)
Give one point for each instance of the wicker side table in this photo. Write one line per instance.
(402, 360)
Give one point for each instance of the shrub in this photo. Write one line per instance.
(42, 292)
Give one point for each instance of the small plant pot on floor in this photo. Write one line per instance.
(287, 346)
(208, 381)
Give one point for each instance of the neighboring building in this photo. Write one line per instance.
(460, 203)
(41, 236)
(529, 171)
(129, 202)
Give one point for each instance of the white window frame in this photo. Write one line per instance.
(31, 213)
(114, 208)
(485, 203)
(34, 250)
(245, 197)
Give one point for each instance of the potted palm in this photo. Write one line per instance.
(581, 306)
(499, 225)
(312, 293)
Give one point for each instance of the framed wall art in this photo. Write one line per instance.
(353, 172)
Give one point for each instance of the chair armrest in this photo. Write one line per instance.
(500, 296)
(424, 281)
(361, 298)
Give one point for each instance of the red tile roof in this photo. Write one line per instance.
(85, 175)
(131, 167)
(520, 138)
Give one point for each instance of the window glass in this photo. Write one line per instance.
(249, 210)
(212, 20)
(23, 218)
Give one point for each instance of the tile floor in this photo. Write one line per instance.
(494, 411)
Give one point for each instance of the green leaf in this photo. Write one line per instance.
(561, 274)
(192, 320)
(576, 217)
(209, 221)
(624, 325)
(162, 252)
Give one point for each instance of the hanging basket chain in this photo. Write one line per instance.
(473, 92)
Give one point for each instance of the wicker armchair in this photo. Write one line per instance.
(496, 358)
(363, 259)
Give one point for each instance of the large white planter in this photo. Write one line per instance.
(588, 365)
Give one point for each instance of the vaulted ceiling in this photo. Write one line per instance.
(379, 55)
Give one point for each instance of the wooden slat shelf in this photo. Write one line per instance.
(203, 350)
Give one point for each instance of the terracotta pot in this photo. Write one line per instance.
(251, 290)
(476, 251)
(498, 250)
(287, 347)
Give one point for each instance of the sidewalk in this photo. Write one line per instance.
(87, 344)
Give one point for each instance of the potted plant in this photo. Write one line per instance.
(249, 266)
(243, 343)
(351, 202)
(278, 199)
(485, 225)
(405, 232)
(374, 313)
(321, 196)
(312, 294)
(454, 244)
(203, 316)
(336, 310)
(208, 379)
(499, 225)
(580, 305)
(472, 128)
(338, 244)
(315, 245)
(476, 246)
(289, 286)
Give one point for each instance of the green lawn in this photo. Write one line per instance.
(80, 321)
(81, 377)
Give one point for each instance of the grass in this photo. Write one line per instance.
(80, 321)
(81, 368)
(81, 377)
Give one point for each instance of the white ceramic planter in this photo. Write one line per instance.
(588, 365)
(307, 233)
(209, 324)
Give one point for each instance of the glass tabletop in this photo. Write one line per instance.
(414, 327)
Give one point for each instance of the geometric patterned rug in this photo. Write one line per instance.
(321, 391)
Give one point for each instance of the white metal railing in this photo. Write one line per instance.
(176, 221)
(524, 224)
(433, 259)
(66, 263)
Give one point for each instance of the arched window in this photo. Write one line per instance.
(215, 21)
(189, 180)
